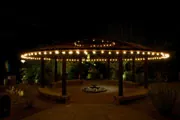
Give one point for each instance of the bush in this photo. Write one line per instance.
(163, 97)
(127, 75)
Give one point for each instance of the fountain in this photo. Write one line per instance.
(94, 89)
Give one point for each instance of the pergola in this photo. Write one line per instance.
(95, 50)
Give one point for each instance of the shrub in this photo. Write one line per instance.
(163, 97)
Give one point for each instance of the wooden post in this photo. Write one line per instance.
(80, 67)
(64, 76)
(55, 70)
(108, 68)
(133, 69)
(42, 72)
(120, 81)
(146, 72)
(3, 71)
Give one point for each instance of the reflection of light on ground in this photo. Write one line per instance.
(110, 88)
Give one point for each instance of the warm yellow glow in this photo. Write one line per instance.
(159, 55)
(102, 51)
(70, 52)
(63, 52)
(23, 61)
(56, 52)
(77, 51)
(85, 52)
(88, 56)
(166, 55)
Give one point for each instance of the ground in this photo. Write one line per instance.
(18, 111)
(88, 106)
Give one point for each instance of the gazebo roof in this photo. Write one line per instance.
(95, 48)
(96, 44)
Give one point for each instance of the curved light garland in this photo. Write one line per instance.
(36, 55)
(96, 44)
(92, 49)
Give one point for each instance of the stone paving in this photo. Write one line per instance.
(85, 106)
(90, 112)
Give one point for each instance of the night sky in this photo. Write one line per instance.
(22, 29)
(27, 28)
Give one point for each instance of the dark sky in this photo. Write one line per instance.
(22, 29)
(26, 28)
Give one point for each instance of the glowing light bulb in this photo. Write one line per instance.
(63, 52)
(77, 51)
(70, 52)
(56, 52)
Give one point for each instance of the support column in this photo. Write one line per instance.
(55, 70)
(42, 72)
(64, 77)
(146, 72)
(120, 81)
(3, 71)
(80, 67)
(108, 68)
(133, 69)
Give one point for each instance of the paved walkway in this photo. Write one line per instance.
(89, 112)
(84, 106)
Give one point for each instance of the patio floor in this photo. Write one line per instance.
(80, 97)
